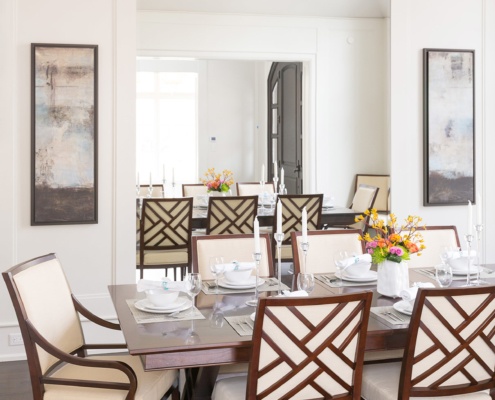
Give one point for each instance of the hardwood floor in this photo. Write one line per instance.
(14, 381)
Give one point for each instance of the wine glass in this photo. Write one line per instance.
(217, 267)
(443, 273)
(193, 285)
(338, 259)
(306, 282)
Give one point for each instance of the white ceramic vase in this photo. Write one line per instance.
(392, 278)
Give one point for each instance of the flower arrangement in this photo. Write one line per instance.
(392, 242)
(218, 182)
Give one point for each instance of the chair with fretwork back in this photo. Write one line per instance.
(252, 188)
(304, 348)
(323, 245)
(292, 207)
(231, 215)
(450, 349)
(165, 235)
(59, 366)
(437, 240)
(157, 191)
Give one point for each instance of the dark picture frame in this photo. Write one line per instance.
(449, 127)
(64, 134)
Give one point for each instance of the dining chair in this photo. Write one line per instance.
(382, 182)
(57, 353)
(436, 240)
(231, 215)
(156, 192)
(304, 348)
(165, 235)
(238, 247)
(196, 191)
(292, 207)
(450, 349)
(364, 199)
(254, 188)
(323, 245)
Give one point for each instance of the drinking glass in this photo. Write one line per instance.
(306, 282)
(443, 273)
(338, 259)
(193, 285)
(217, 268)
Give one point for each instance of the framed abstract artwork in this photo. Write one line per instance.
(449, 128)
(64, 111)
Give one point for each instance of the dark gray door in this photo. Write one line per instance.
(285, 122)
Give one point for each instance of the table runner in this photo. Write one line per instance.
(143, 317)
(270, 285)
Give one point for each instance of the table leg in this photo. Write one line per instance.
(199, 383)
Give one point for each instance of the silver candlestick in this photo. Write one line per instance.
(275, 182)
(469, 239)
(305, 248)
(254, 302)
(279, 237)
(282, 189)
(164, 185)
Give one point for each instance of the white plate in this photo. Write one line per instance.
(474, 270)
(403, 307)
(178, 305)
(249, 284)
(370, 276)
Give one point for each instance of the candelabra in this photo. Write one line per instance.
(254, 302)
(279, 237)
(282, 189)
(275, 182)
(469, 239)
(164, 183)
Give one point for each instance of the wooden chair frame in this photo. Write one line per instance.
(238, 211)
(296, 250)
(173, 224)
(32, 338)
(423, 302)
(264, 236)
(357, 332)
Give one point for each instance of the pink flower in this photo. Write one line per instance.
(397, 251)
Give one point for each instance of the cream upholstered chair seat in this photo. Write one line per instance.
(296, 337)
(450, 349)
(58, 360)
(152, 385)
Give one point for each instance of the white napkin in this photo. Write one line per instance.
(165, 283)
(448, 255)
(409, 294)
(296, 293)
(360, 258)
(237, 266)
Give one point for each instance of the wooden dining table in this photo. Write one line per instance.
(210, 342)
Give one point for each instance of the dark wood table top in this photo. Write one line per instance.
(212, 341)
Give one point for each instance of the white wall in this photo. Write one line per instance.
(90, 254)
(446, 24)
(345, 73)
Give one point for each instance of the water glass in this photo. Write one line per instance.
(443, 273)
(217, 268)
(306, 282)
(193, 285)
(338, 259)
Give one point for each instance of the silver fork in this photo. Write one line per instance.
(393, 316)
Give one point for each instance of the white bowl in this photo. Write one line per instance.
(241, 275)
(357, 270)
(459, 263)
(160, 297)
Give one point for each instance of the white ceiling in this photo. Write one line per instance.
(320, 8)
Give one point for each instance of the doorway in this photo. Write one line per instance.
(285, 123)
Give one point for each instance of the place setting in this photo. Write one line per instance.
(351, 270)
(166, 300)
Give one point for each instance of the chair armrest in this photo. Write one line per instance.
(84, 362)
(92, 317)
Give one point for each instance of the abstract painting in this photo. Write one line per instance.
(64, 134)
(449, 155)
